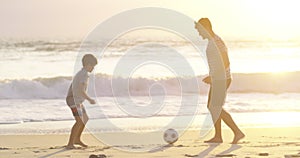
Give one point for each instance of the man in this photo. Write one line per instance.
(219, 80)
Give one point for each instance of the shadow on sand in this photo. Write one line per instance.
(51, 154)
(212, 146)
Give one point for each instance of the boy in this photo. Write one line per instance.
(76, 95)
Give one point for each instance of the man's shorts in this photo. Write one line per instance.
(77, 110)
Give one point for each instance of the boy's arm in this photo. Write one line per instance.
(85, 95)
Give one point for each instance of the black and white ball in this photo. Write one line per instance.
(170, 136)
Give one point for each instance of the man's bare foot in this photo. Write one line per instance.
(238, 137)
(81, 144)
(214, 140)
(70, 147)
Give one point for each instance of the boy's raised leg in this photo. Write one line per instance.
(77, 139)
(74, 132)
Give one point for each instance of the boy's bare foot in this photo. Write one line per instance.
(70, 147)
(238, 137)
(81, 144)
(214, 140)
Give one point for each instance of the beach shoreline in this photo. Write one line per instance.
(271, 141)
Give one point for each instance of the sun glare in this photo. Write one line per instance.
(285, 119)
(274, 18)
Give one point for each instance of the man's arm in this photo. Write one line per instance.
(207, 80)
(225, 60)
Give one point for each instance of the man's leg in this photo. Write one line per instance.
(216, 120)
(238, 134)
(218, 130)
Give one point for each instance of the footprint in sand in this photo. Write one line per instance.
(57, 147)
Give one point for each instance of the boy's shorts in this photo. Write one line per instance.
(77, 110)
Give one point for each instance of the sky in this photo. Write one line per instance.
(74, 19)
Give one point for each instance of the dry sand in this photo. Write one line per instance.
(259, 142)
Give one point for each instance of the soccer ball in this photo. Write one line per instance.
(170, 136)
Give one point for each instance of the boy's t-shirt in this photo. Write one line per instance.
(81, 77)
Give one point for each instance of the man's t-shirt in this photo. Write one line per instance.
(216, 48)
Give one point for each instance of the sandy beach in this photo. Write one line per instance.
(141, 68)
(259, 142)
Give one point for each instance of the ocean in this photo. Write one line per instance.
(35, 76)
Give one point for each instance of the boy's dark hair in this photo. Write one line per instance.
(89, 59)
